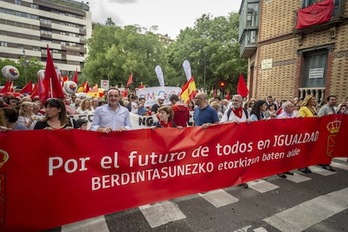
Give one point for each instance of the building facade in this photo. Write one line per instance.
(287, 59)
(28, 26)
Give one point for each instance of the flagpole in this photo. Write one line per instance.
(51, 87)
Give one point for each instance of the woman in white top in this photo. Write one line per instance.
(85, 107)
(26, 115)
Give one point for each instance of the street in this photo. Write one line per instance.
(313, 202)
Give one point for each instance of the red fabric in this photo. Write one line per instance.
(181, 115)
(28, 88)
(238, 111)
(64, 177)
(52, 85)
(8, 87)
(242, 88)
(35, 91)
(141, 86)
(188, 90)
(130, 80)
(76, 76)
(314, 14)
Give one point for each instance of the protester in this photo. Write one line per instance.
(11, 116)
(327, 109)
(94, 103)
(26, 115)
(258, 110)
(343, 109)
(112, 116)
(133, 104)
(82, 124)
(287, 112)
(56, 117)
(204, 115)
(85, 107)
(216, 107)
(235, 112)
(165, 118)
(160, 101)
(181, 112)
(142, 111)
(307, 109)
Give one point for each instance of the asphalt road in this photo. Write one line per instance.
(303, 202)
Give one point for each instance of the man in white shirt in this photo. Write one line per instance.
(112, 116)
(235, 111)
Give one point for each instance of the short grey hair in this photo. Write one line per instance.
(238, 96)
(286, 104)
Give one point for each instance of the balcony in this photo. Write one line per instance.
(248, 44)
(248, 27)
(317, 92)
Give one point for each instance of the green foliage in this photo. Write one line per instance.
(115, 53)
(211, 47)
(27, 70)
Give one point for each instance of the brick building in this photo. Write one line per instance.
(287, 61)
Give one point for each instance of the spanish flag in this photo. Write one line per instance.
(188, 90)
(83, 88)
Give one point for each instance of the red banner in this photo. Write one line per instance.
(314, 14)
(51, 178)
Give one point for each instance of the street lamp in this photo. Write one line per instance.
(25, 66)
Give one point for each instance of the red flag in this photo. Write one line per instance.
(242, 88)
(8, 87)
(52, 86)
(130, 80)
(28, 88)
(35, 91)
(141, 85)
(76, 76)
(314, 14)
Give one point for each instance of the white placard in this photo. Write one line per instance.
(316, 73)
(267, 64)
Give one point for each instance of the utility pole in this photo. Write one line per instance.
(25, 67)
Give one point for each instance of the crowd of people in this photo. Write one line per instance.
(112, 112)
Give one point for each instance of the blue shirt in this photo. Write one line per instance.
(104, 116)
(206, 115)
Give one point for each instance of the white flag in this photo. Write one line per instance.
(187, 69)
(159, 74)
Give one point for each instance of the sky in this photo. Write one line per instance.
(169, 15)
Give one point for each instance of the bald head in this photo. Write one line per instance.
(201, 100)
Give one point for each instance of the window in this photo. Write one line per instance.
(3, 44)
(18, 2)
(306, 3)
(314, 68)
(337, 5)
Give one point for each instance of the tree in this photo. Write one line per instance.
(114, 53)
(25, 67)
(212, 48)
